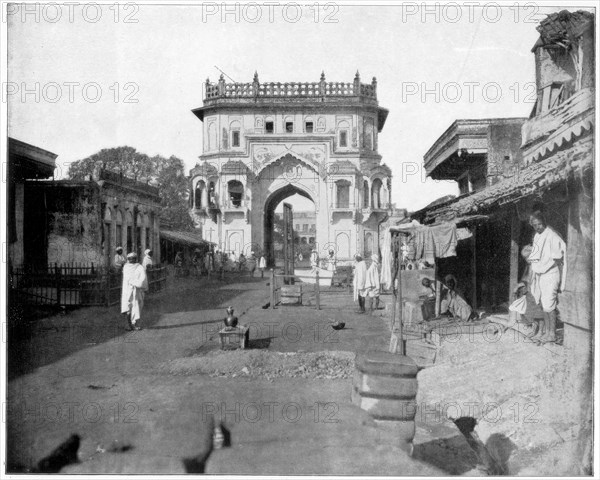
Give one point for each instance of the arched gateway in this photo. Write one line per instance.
(264, 142)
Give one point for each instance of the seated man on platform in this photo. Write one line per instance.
(454, 303)
(428, 299)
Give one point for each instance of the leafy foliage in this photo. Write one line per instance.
(166, 173)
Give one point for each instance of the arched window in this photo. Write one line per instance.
(369, 134)
(342, 241)
(376, 193)
(119, 229)
(129, 237)
(365, 194)
(148, 232)
(342, 194)
(212, 194)
(343, 134)
(212, 137)
(235, 190)
(138, 234)
(106, 234)
(309, 125)
(234, 129)
(199, 190)
(269, 125)
(289, 125)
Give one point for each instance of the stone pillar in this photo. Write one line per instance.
(385, 385)
(204, 199)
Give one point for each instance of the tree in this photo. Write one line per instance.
(174, 193)
(126, 160)
(167, 174)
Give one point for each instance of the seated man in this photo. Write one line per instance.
(428, 299)
(454, 303)
(528, 311)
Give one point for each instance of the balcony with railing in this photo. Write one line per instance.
(321, 90)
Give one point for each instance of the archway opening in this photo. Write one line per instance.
(304, 224)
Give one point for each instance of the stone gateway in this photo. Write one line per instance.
(264, 142)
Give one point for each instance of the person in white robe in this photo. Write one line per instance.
(147, 261)
(135, 284)
(360, 277)
(119, 259)
(331, 261)
(262, 265)
(314, 260)
(548, 272)
(372, 283)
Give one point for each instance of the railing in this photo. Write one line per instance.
(342, 206)
(221, 89)
(75, 285)
(230, 205)
(128, 182)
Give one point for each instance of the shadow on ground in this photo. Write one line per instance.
(36, 343)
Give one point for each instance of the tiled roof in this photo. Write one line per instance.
(187, 238)
(534, 178)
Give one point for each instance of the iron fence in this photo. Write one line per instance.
(74, 284)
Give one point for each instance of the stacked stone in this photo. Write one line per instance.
(385, 385)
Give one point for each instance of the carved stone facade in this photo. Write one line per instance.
(266, 141)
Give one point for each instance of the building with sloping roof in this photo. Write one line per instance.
(186, 242)
(25, 162)
(552, 169)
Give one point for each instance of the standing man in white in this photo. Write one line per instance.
(147, 261)
(135, 284)
(548, 272)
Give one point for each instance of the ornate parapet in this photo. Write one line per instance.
(270, 90)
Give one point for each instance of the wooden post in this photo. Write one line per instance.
(474, 270)
(272, 290)
(108, 287)
(400, 312)
(318, 292)
(438, 291)
(57, 280)
(515, 233)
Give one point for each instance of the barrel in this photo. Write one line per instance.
(385, 386)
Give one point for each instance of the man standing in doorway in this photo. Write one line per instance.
(135, 284)
(548, 271)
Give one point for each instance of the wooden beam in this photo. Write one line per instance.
(474, 270)
(515, 233)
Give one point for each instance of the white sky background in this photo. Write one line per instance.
(171, 51)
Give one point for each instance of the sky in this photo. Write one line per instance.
(82, 78)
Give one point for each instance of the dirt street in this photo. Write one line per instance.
(141, 400)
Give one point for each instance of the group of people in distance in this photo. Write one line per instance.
(135, 284)
(536, 296)
(219, 261)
